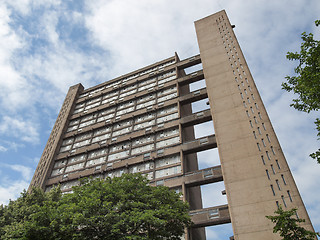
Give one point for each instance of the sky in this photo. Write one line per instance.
(47, 46)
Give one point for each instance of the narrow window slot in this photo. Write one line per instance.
(277, 182)
(284, 202)
(284, 181)
(277, 204)
(259, 130)
(250, 123)
(289, 195)
(263, 142)
(264, 127)
(272, 150)
(272, 190)
(268, 155)
(267, 172)
(262, 158)
(254, 134)
(278, 164)
(274, 172)
(258, 145)
(268, 138)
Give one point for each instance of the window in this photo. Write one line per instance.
(272, 189)
(278, 164)
(272, 169)
(254, 134)
(267, 172)
(277, 182)
(268, 155)
(262, 158)
(284, 181)
(258, 145)
(272, 150)
(289, 195)
(284, 202)
(268, 137)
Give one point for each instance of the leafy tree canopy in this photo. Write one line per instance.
(306, 82)
(119, 208)
(287, 225)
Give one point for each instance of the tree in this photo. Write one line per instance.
(288, 226)
(306, 83)
(119, 208)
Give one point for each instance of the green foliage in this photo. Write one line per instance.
(288, 226)
(306, 83)
(124, 208)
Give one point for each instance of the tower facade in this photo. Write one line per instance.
(143, 122)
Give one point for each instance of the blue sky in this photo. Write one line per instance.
(46, 46)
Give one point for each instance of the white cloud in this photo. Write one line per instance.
(12, 190)
(26, 172)
(3, 149)
(20, 128)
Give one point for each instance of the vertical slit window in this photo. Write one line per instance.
(278, 185)
(260, 115)
(244, 104)
(245, 91)
(274, 172)
(262, 158)
(236, 78)
(254, 134)
(284, 181)
(255, 119)
(272, 189)
(264, 127)
(259, 130)
(267, 172)
(278, 164)
(238, 85)
(264, 144)
(268, 138)
(256, 105)
(251, 109)
(241, 95)
(251, 123)
(252, 97)
(272, 150)
(289, 195)
(249, 88)
(248, 99)
(268, 156)
(258, 145)
(284, 202)
(277, 204)
(247, 113)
